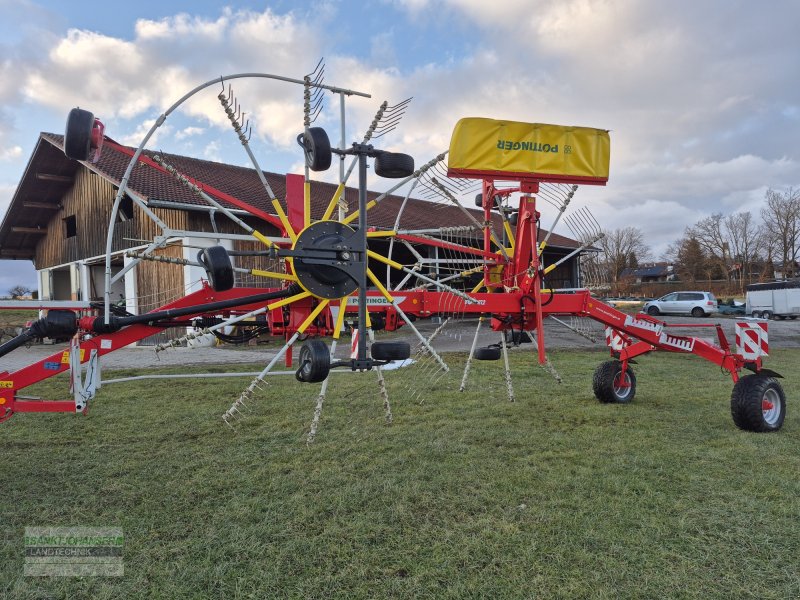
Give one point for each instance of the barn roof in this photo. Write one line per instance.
(49, 174)
(659, 270)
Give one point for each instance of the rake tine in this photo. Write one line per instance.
(320, 63)
(402, 105)
(382, 133)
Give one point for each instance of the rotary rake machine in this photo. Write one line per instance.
(493, 263)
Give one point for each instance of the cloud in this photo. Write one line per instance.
(189, 132)
(10, 153)
(700, 102)
(120, 79)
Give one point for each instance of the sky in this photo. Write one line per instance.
(701, 97)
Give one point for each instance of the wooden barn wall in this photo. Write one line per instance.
(90, 200)
(201, 222)
(158, 284)
(141, 228)
(263, 263)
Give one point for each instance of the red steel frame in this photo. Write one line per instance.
(516, 302)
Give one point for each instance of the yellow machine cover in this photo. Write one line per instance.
(487, 148)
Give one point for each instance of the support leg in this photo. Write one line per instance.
(509, 385)
(471, 354)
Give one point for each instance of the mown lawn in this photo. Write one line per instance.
(464, 496)
(13, 318)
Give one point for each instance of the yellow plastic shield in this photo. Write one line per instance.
(487, 148)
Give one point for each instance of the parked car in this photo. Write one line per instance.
(731, 307)
(697, 304)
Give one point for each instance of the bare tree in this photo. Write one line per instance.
(745, 242)
(621, 248)
(18, 291)
(781, 217)
(710, 235)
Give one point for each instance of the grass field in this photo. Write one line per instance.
(12, 318)
(464, 496)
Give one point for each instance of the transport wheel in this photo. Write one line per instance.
(698, 312)
(217, 263)
(517, 337)
(394, 165)
(767, 314)
(390, 350)
(653, 311)
(610, 385)
(317, 148)
(758, 403)
(315, 361)
(756, 314)
(78, 134)
(489, 353)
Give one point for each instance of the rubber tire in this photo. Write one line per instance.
(746, 403)
(605, 375)
(767, 314)
(314, 360)
(317, 148)
(390, 350)
(513, 219)
(698, 312)
(653, 311)
(217, 263)
(756, 314)
(479, 200)
(78, 134)
(394, 165)
(517, 337)
(489, 353)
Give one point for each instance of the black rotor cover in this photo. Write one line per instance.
(327, 259)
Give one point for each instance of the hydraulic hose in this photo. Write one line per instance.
(116, 322)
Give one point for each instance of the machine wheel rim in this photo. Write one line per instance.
(771, 406)
(622, 387)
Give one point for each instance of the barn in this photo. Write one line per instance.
(59, 219)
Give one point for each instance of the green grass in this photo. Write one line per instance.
(464, 496)
(11, 318)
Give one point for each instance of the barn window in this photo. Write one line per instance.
(70, 226)
(125, 208)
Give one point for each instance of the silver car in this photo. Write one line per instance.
(697, 304)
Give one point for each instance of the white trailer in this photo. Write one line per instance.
(779, 299)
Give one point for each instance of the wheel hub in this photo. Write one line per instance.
(770, 407)
(622, 385)
(325, 259)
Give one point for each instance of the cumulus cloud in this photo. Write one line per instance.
(189, 132)
(10, 153)
(130, 79)
(699, 99)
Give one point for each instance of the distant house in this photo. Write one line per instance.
(790, 272)
(59, 219)
(651, 273)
